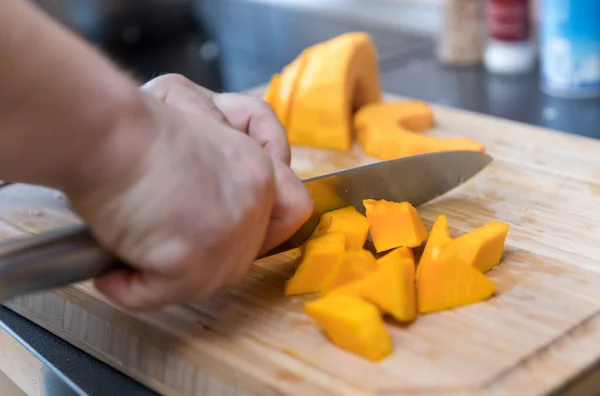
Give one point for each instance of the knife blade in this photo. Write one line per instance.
(71, 255)
(416, 179)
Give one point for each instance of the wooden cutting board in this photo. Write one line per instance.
(538, 333)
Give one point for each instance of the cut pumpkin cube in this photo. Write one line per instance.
(352, 324)
(395, 255)
(483, 247)
(439, 237)
(354, 265)
(346, 220)
(392, 286)
(448, 282)
(352, 289)
(329, 201)
(319, 262)
(394, 224)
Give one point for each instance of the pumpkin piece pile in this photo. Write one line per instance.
(356, 292)
(330, 96)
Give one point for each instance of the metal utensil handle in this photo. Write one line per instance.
(51, 260)
(58, 258)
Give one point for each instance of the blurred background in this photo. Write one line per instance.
(237, 44)
(449, 52)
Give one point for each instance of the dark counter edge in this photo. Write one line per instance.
(70, 369)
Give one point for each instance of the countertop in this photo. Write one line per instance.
(518, 98)
(409, 68)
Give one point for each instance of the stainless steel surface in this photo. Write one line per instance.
(51, 260)
(417, 179)
(29, 371)
(65, 369)
(71, 255)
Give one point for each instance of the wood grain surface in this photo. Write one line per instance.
(540, 332)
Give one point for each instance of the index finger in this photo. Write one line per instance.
(255, 117)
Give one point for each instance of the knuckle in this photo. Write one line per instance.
(239, 99)
(161, 86)
(267, 119)
(207, 108)
(262, 176)
(171, 79)
(261, 104)
(257, 170)
(262, 108)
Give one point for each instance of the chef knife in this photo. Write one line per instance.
(71, 255)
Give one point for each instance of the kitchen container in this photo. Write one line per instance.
(570, 48)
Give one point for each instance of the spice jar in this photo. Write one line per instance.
(462, 40)
(510, 47)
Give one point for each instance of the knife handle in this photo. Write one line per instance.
(59, 258)
(51, 260)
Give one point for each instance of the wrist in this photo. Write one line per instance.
(122, 134)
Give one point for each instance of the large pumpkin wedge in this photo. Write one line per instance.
(284, 87)
(340, 76)
(389, 130)
(272, 89)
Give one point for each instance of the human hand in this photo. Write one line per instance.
(253, 116)
(191, 201)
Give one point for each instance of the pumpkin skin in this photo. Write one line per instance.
(319, 91)
(285, 90)
(330, 97)
(272, 89)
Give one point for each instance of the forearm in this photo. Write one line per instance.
(60, 101)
